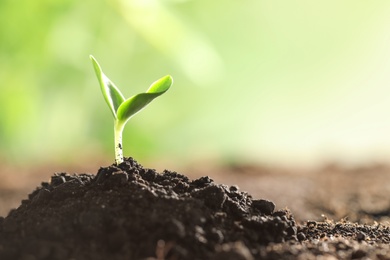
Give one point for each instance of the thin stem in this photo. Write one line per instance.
(118, 129)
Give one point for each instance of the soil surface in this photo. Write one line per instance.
(131, 212)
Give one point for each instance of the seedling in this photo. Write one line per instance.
(123, 109)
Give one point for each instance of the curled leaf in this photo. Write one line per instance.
(111, 93)
(137, 102)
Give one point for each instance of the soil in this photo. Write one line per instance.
(131, 212)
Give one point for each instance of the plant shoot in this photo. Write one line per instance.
(123, 109)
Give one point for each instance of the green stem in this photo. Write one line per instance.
(118, 129)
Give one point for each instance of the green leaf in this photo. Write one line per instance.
(111, 93)
(161, 85)
(137, 102)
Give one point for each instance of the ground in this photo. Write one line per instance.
(237, 212)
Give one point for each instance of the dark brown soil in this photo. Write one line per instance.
(130, 212)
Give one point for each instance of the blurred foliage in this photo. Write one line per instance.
(257, 79)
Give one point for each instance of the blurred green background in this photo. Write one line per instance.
(263, 81)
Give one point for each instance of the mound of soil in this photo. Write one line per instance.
(130, 212)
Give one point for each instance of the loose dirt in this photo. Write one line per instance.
(131, 212)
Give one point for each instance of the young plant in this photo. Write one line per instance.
(123, 109)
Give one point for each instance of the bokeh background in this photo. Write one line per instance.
(275, 82)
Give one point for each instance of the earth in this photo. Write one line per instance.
(231, 212)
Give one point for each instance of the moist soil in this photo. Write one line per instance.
(131, 212)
